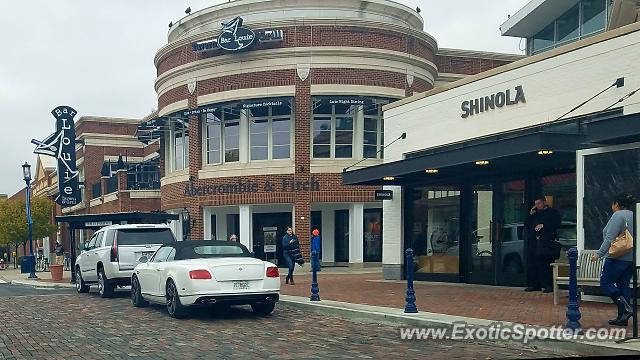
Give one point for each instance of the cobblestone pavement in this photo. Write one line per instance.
(73, 326)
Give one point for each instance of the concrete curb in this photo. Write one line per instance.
(397, 317)
(42, 284)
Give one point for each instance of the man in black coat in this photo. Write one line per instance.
(543, 249)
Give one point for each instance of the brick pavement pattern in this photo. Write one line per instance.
(87, 327)
(477, 301)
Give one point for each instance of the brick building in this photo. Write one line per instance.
(257, 121)
(117, 172)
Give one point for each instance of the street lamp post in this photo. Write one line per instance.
(26, 171)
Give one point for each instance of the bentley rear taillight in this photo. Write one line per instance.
(272, 272)
(199, 274)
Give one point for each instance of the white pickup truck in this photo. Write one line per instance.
(112, 252)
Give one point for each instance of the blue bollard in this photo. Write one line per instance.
(573, 308)
(314, 280)
(410, 308)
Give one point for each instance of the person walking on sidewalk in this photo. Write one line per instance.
(291, 252)
(542, 225)
(59, 250)
(315, 246)
(617, 272)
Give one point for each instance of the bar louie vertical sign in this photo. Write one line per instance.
(62, 146)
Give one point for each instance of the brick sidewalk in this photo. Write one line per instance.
(477, 301)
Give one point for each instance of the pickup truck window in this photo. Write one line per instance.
(143, 236)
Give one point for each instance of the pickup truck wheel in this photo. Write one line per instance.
(263, 309)
(81, 287)
(104, 285)
(136, 293)
(174, 307)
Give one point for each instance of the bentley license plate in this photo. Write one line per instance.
(240, 285)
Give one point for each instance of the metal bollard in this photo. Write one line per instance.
(573, 307)
(314, 280)
(410, 308)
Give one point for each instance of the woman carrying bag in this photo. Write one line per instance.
(291, 253)
(616, 248)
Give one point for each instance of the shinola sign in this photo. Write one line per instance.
(497, 100)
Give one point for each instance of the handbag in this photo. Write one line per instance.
(623, 244)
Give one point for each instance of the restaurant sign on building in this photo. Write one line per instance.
(235, 37)
(62, 146)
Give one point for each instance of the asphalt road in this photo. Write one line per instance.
(60, 324)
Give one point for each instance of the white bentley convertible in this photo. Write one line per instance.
(190, 273)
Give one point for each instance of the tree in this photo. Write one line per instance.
(13, 221)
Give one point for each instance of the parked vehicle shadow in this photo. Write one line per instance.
(217, 312)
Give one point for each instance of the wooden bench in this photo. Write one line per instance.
(588, 272)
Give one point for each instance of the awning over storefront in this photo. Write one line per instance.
(529, 150)
(97, 221)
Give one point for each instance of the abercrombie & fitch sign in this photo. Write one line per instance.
(239, 187)
(487, 103)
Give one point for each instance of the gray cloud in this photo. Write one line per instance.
(97, 56)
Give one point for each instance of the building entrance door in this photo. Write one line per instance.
(496, 233)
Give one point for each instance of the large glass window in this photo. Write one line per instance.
(544, 39)
(436, 229)
(587, 18)
(568, 25)
(222, 135)
(333, 128)
(594, 16)
(605, 176)
(270, 132)
(180, 138)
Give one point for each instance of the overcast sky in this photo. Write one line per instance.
(97, 56)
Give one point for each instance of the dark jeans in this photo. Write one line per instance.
(290, 264)
(615, 278)
(540, 273)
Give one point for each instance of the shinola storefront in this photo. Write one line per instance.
(564, 124)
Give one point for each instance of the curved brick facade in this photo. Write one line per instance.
(315, 36)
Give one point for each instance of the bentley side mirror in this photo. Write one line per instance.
(143, 259)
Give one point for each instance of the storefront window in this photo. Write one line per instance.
(373, 235)
(560, 192)
(270, 132)
(180, 148)
(436, 229)
(605, 176)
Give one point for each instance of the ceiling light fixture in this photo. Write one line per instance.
(431, 171)
(388, 178)
(545, 152)
(482, 162)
